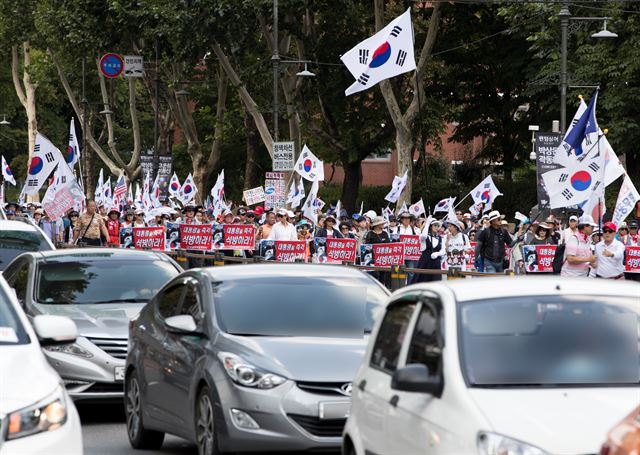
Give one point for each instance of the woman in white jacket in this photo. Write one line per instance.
(457, 245)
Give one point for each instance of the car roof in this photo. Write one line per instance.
(496, 287)
(12, 225)
(88, 254)
(248, 271)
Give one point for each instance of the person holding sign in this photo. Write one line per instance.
(457, 245)
(610, 255)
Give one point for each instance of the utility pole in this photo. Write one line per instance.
(156, 122)
(564, 28)
(275, 59)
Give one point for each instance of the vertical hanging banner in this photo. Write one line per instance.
(283, 250)
(382, 254)
(274, 190)
(335, 251)
(195, 237)
(283, 156)
(632, 261)
(545, 146)
(539, 258)
(411, 247)
(148, 238)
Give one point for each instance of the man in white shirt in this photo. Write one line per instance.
(610, 254)
(283, 230)
(578, 256)
(571, 230)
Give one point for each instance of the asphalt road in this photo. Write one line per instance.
(104, 433)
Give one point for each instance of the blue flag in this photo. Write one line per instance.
(585, 126)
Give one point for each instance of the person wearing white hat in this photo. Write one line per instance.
(492, 242)
(572, 229)
(457, 244)
(283, 230)
(578, 255)
(432, 248)
(377, 234)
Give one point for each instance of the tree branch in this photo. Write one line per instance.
(111, 140)
(246, 98)
(16, 78)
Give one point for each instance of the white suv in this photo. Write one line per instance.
(498, 366)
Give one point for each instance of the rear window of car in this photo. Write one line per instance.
(14, 243)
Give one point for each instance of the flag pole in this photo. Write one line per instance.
(460, 201)
(423, 144)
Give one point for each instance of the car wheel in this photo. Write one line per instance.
(139, 436)
(205, 424)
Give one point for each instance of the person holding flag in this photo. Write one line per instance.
(6, 173)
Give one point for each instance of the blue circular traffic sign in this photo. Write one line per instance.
(111, 65)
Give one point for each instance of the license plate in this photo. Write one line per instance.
(334, 410)
(119, 374)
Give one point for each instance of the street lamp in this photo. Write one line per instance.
(565, 17)
(305, 72)
(533, 129)
(4, 120)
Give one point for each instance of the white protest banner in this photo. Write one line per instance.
(254, 196)
(283, 156)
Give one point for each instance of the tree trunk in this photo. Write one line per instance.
(200, 175)
(404, 147)
(253, 144)
(351, 184)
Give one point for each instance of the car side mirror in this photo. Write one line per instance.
(53, 330)
(415, 378)
(181, 324)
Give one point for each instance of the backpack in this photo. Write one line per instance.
(558, 259)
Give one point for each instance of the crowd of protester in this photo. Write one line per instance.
(586, 249)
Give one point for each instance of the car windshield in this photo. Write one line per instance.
(11, 329)
(550, 341)
(298, 306)
(101, 281)
(14, 243)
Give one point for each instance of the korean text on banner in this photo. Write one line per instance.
(254, 195)
(195, 237)
(632, 262)
(62, 201)
(239, 237)
(145, 238)
(411, 247)
(539, 258)
(335, 251)
(382, 255)
(283, 156)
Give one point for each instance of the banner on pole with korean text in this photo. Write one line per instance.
(411, 247)
(254, 195)
(539, 258)
(335, 251)
(632, 261)
(195, 237)
(382, 254)
(283, 250)
(148, 238)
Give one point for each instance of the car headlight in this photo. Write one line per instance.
(70, 348)
(246, 374)
(47, 415)
(497, 444)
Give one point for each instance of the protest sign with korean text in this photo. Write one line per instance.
(274, 190)
(283, 250)
(382, 254)
(411, 247)
(632, 260)
(195, 237)
(335, 251)
(148, 238)
(254, 195)
(239, 236)
(538, 258)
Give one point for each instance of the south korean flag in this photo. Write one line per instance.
(44, 159)
(386, 54)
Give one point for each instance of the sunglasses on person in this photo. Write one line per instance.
(279, 215)
(608, 231)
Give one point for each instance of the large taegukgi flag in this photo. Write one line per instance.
(386, 54)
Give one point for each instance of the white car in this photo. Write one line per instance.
(17, 237)
(36, 414)
(497, 366)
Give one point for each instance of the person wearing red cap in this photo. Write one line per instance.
(610, 254)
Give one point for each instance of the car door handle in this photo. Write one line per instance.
(362, 385)
(394, 400)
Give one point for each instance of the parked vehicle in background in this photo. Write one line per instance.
(36, 414)
(624, 438)
(101, 290)
(17, 237)
(494, 366)
(258, 356)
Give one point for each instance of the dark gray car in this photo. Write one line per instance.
(102, 290)
(247, 358)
